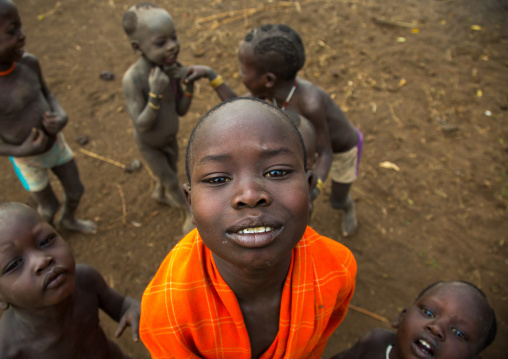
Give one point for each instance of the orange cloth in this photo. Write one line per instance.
(188, 310)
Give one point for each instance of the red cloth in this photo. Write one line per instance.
(188, 310)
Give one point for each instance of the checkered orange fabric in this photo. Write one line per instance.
(188, 310)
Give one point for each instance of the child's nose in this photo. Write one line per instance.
(42, 262)
(250, 193)
(436, 328)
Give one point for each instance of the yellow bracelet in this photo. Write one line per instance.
(320, 185)
(152, 95)
(216, 82)
(155, 107)
(187, 94)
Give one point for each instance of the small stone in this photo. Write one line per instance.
(133, 166)
(107, 76)
(82, 139)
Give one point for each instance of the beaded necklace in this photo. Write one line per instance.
(7, 72)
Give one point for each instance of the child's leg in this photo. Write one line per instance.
(47, 204)
(341, 199)
(162, 162)
(69, 177)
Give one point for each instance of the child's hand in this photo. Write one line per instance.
(196, 72)
(158, 80)
(130, 317)
(34, 144)
(176, 71)
(53, 122)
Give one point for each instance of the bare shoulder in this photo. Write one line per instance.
(88, 278)
(30, 61)
(135, 74)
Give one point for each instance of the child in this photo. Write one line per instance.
(51, 305)
(155, 98)
(252, 281)
(31, 121)
(447, 320)
(270, 58)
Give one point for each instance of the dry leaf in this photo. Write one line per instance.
(389, 165)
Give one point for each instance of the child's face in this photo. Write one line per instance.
(157, 38)
(37, 267)
(249, 190)
(12, 38)
(449, 321)
(251, 78)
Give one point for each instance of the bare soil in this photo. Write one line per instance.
(424, 84)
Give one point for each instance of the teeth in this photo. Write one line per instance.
(255, 230)
(425, 344)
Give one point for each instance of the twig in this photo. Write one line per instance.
(369, 313)
(392, 112)
(386, 22)
(124, 207)
(102, 158)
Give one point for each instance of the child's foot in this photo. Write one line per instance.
(161, 196)
(349, 222)
(79, 225)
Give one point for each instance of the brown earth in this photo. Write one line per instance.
(431, 101)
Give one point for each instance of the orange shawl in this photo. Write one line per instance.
(188, 310)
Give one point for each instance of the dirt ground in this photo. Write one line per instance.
(424, 80)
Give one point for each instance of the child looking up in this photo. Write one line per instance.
(51, 305)
(31, 121)
(447, 320)
(270, 58)
(253, 280)
(155, 98)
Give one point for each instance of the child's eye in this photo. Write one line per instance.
(427, 312)
(218, 180)
(48, 240)
(13, 265)
(459, 333)
(276, 173)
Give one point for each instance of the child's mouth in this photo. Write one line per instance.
(255, 237)
(424, 347)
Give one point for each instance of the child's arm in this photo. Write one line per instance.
(317, 115)
(124, 310)
(184, 97)
(34, 144)
(55, 120)
(196, 72)
(144, 113)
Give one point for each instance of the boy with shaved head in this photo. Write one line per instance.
(155, 98)
(253, 280)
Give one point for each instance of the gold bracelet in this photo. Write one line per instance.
(155, 107)
(217, 81)
(152, 95)
(320, 185)
(187, 94)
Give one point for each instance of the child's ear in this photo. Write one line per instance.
(3, 305)
(135, 45)
(397, 321)
(270, 79)
(310, 178)
(187, 194)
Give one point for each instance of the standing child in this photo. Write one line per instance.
(31, 121)
(448, 320)
(51, 305)
(270, 58)
(253, 280)
(155, 98)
